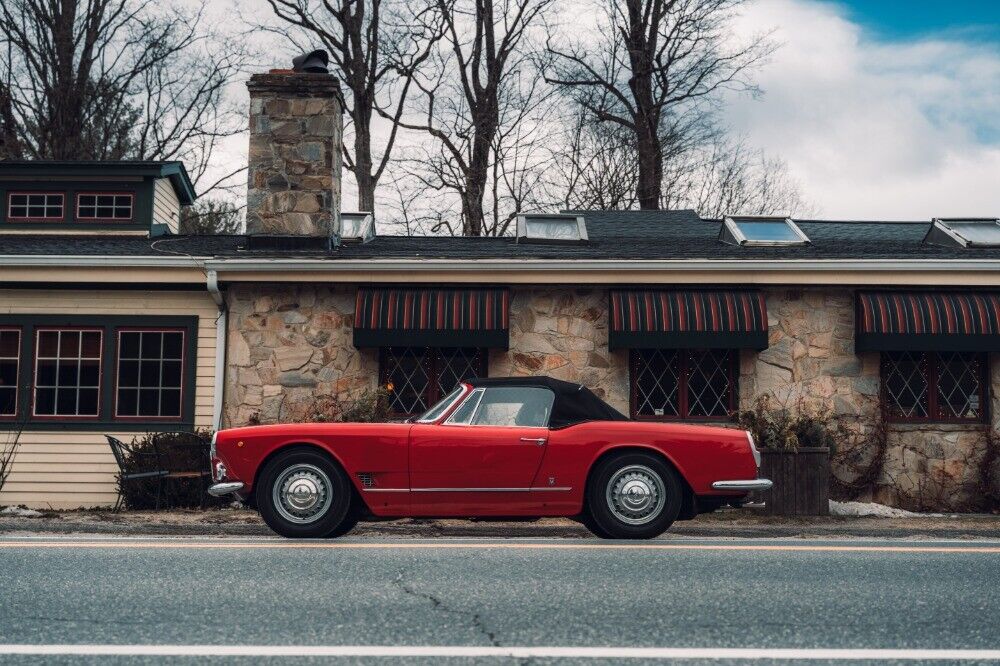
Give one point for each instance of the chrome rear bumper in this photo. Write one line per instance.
(220, 489)
(754, 484)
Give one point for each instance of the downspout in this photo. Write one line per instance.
(221, 332)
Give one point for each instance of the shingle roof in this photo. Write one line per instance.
(613, 235)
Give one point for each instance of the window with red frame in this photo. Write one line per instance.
(10, 361)
(419, 376)
(98, 206)
(682, 383)
(35, 206)
(67, 373)
(935, 386)
(150, 373)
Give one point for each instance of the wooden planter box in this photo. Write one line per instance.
(801, 481)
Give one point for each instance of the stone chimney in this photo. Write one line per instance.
(296, 139)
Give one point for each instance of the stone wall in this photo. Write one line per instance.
(291, 356)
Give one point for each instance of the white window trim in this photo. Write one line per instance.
(159, 387)
(17, 368)
(28, 205)
(79, 358)
(733, 226)
(96, 218)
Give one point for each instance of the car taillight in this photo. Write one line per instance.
(753, 449)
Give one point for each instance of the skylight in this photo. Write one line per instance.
(551, 229)
(747, 230)
(357, 227)
(966, 232)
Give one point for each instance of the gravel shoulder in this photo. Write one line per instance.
(727, 523)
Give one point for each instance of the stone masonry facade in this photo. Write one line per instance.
(291, 356)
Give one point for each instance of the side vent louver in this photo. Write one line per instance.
(367, 479)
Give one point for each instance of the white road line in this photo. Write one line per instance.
(796, 654)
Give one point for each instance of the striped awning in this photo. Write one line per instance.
(928, 321)
(431, 317)
(687, 319)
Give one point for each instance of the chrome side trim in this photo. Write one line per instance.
(755, 484)
(488, 490)
(386, 490)
(220, 489)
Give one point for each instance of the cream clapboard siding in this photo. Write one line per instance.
(166, 205)
(67, 469)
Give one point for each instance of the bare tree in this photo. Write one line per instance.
(114, 79)
(655, 72)
(378, 46)
(211, 216)
(480, 104)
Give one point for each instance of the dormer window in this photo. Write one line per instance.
(357, 227)
(551, 229)
(964, 232)
(35, 206)
(104, 207)
(761, 230)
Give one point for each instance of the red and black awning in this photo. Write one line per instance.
(928, 321)
(687, 319)
(430, 317)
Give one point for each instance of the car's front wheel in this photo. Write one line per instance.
(303, 494)
(633, 495)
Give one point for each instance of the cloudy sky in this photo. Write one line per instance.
(882, 109)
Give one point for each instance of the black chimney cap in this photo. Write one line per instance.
(315, 62)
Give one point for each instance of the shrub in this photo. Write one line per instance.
(372, 406)
(173, 451)
(778, 427)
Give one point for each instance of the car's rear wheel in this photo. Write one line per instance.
(304, 494)
(633, 495)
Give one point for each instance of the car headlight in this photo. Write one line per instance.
(753, 449)
(211, 447)
(220, 471)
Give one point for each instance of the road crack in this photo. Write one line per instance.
(439, 604)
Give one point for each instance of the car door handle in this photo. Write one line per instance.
(536, 440)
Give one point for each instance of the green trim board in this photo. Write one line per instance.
(113, 170)
(105, 420)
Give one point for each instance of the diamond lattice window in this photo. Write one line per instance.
(683, 384)
(934, 386)
(419, 376)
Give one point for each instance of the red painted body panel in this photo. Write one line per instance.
(418, 467)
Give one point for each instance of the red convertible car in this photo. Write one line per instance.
(512, 447)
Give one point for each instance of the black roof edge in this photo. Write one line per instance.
(173, 170)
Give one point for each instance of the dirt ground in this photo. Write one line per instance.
(742, 523)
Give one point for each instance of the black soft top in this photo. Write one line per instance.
(574, 403)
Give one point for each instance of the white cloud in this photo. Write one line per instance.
(874, 129)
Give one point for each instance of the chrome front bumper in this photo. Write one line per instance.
(220, 489)
(754, 484)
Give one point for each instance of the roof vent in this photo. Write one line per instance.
(761, 230)
(314, 62)
(553, 228)
(357, 227)
(964, 232)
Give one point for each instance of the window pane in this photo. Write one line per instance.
(45, 375)
(36, 211)
(515, 406)
(463, 415)
(776, 231)
(406, 370)
(45, 401)
(19, 200)
(709, 385)
(88, 402)
(10, 344)
(552, 229)
(128, 373)
(171, 374)
(66, 401)
(170, 403)
(173, 345)
(129, 342)
(149, 402)
(48, 344)
(959, 386)
(128, 402)
(656, 382)
(90, 373)
(905, 384)
(151, 345)
(456, 364)
(8, 400)
(68, 374)
(90, 344)
(69, 344)
(149, 373)
(8, 372)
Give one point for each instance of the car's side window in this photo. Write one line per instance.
(528, 407)
(463, 415)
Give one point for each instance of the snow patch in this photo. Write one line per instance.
(870, 509)
(20, 512)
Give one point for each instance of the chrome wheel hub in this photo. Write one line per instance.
(301, 494)
(636, 495)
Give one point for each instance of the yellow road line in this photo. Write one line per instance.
(500, 546)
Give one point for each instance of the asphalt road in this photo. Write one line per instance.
(472, 600)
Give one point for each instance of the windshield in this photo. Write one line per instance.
(441, 406)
